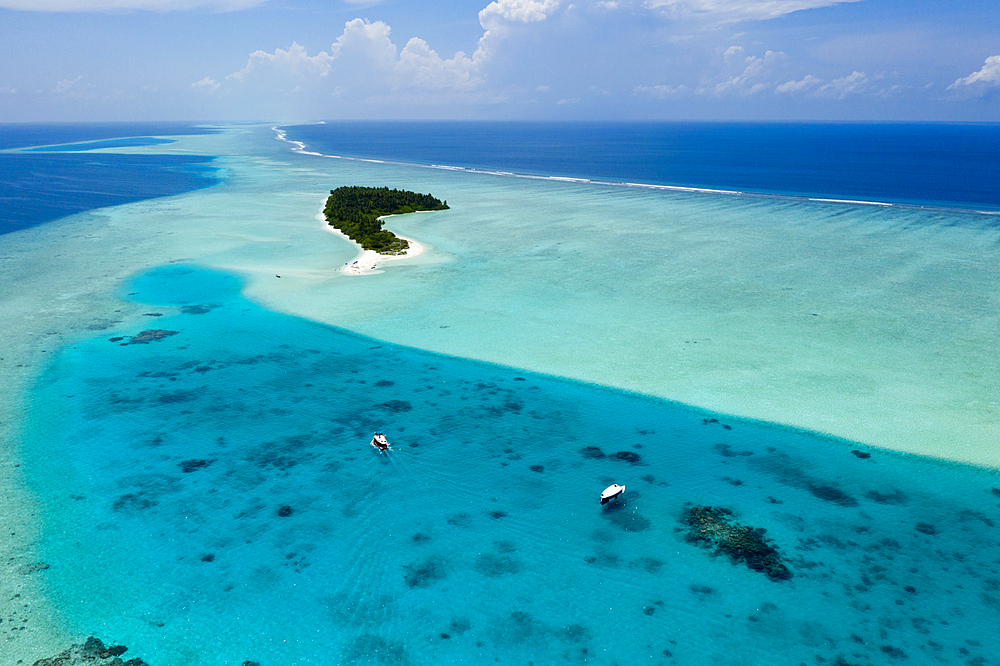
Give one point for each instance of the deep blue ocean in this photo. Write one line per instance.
(941, 165)
(40, 185)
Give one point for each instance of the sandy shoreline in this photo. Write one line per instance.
(367, 261)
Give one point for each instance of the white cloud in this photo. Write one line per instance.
(663, 91)
(755, 73)
(363, 61)
(521, 11)
(855, 84)
(735, 10)
(988, 75)
(7, 90)
(126, 5)
(496, 19)
(807, 83)
(207, 83)
(293, 63)
(423, 67)
(364, 66)
(70, 86)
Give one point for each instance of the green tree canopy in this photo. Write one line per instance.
(356, 210)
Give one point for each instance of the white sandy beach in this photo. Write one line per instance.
(367, 261)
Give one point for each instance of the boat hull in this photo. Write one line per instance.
(611, 493)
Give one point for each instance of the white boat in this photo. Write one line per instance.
(380, 442)
(612, 493)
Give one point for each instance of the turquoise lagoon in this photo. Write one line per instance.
(207, 494)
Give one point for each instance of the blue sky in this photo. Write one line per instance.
(301, 60)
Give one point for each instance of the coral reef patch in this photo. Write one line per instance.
(426, 573)
(92, 653)
(370, 649)
(151, 335)
(713, 527)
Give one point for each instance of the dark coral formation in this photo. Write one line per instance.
(831, 493)
(426, 573)
(726, 451)
(494, 566)
(198, 309)
(713, 527)
(92, 653)
(628, 456)
(133, 502)
(372, 650)
(395, 406)
(895, 497)
(592, 452)
(188, 466)
(152, 335)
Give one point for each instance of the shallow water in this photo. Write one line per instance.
(165, 466)
(162, 468)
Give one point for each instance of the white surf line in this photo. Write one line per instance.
(299, 147)
(852, 201)
(681, 188)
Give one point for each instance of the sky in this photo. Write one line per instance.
(306, 60)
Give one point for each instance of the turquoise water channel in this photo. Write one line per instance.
(210, 497)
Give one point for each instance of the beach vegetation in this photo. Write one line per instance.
(357, 212)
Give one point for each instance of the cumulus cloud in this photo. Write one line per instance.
(662, 91)
(989, 75)
(71, 86)
(753, 73)
(517, 11)
(854, 84)
(207, 83)
(805, 84)
(126, 5)
(364, 61)
(735, 10)
(294, 63)
(498, 16)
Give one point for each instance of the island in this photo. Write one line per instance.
(357, 211)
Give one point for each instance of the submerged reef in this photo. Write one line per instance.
(145, 337)
(92, 653)
(713, 527)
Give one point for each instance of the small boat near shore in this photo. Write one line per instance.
(380, 442)
(611, 493)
